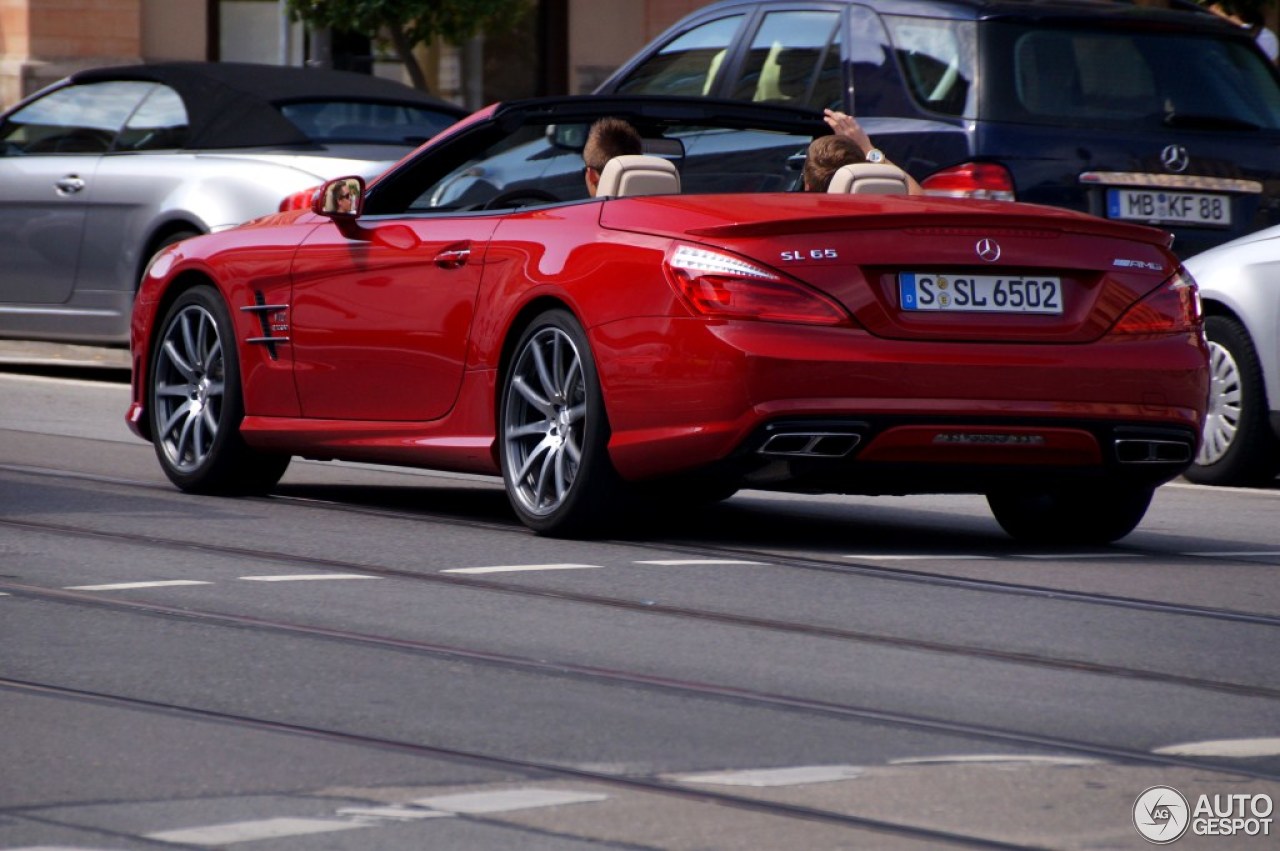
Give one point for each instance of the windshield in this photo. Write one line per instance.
(495, 166)
(1126, 80)
(360, 121)
(537, 163)
(82, 119)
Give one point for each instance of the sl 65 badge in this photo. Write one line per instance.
(811, 254)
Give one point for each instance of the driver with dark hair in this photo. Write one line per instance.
(608, 138)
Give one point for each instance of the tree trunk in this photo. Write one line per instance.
(405, 49)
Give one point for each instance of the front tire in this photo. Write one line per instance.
(1071, 515)
(196, 405)
(554, 434)
(172, 239)
(1238, 446)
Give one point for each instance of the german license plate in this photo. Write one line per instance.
(1169, 208)
(979, 293)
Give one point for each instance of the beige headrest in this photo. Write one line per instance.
(639, 174)
(869, 179)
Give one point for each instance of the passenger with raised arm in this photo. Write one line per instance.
(850, 144)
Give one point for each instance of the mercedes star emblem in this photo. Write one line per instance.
(988, 249)
(1175, 158)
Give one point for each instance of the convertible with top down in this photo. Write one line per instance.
(698, 327)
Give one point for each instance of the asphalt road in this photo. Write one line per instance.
(382, 659)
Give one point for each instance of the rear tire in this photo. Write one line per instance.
(1071, 515)
(195, 402)
(1237, 446)
(554, 434)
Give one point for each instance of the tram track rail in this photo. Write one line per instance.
(495, 761)
(259, 554)
(770, 557)
(645, 607)
(618, 676)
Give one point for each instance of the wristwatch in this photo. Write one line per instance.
(875, 155)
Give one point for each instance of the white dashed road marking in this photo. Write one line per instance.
(351, 818)
(1235, 748)
(1022, 759)
(306, 577)
(56, 848)
(251, 831)
(794, 776)
(915, 557)
(392, 813)
(681, 562)
(1065, 556)
(520, 568)
(126, 586)
(506, 800)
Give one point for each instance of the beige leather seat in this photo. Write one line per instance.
(639, 174)
(869, 179)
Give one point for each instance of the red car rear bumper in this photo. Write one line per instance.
(712, 392)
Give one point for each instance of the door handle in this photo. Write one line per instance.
(69, 185)
(453, 258)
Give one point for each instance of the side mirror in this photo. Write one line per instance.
(340, 198)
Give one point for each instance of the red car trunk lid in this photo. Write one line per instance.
(932, 269)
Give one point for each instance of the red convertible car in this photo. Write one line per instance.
(697, 327)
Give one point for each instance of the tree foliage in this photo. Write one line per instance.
(406, 23)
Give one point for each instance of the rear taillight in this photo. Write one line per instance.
(1172, 309)
(299, 200)
(720, 285)
(971, 180)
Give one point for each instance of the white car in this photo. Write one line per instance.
(101, 170)
(1240, 286)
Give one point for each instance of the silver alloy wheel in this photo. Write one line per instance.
(545, 420)
(189, 388)
(1223, 418)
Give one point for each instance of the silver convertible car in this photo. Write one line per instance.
(1240, 287)
(101, 170)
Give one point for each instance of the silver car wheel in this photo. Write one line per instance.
(1223, 418)
(545, 420)
(189, 388)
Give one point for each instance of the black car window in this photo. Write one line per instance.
(340, 121)
(495, 168)
(80, 119)
(1127, 80)
(877, 84)
(159, 123)
(686, 65)
(938, 60)
(794, 58)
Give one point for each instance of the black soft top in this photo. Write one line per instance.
(235, 104)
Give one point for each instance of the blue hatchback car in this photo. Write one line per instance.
(1156, 112)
